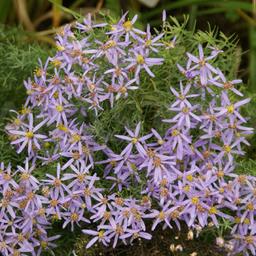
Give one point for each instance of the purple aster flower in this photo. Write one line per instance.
(126, 27)
(26, 179)
(100, 236)
(187, 72)
(73, 216)
(79, 175)
(135, 234)
(134, 140)
(205, 69)
(183, 117)
(59, 187)
(183, 96)
(88, 24)
(114, 230)
(29, 137)
(225, 84)
(245, 243)
(149, 42)
(160, 216)
(231, 109)
(140, 60)
(124, 87)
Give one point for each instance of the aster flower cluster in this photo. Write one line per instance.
(184, 176)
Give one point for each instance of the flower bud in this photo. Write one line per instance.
(179, 248)
(229, 246)
(190, 235)
(172, 247)
(220, 241)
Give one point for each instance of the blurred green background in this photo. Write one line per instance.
(41, 18)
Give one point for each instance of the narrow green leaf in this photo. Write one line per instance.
(5, 8)
(67, 10)
(228, 5)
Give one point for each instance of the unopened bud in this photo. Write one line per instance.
(193, 254)
(190, 235)
(210, 224)
(172, 247)
(220, 241)
(229, 246)
(179, 248)
(198, 229)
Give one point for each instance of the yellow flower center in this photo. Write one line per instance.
(101, 234)
(25, 176)
(109, 44)
(175, 214)
(213, 210)
(87, 192)
(74, 216)
(202, 62)
(17, 121)
(29, 135)
(247, 221)
(38, 72)
(230, 109)
(237, 220)
(157, 161)
(76, 137)
(119, 230)
(29, 92)
(227, 148)
(148, 42)
(250, 207)
(220, 174)
(122, 89)
(60, 47)
(186, 188)
(161, 216)
(44, 244)
(134, 140)
(54, 202)
(57, 182)
(140, 59)
(59, 108)
(189, 178)
(80, 177)
(127, 25)
(195, 200)
(160, 142)
(175, 132)
(249, 239)
(56, 62)
(221, 190)
(25, 111)
(185, 110)
(7, 177)
(62, 128)
(41, 211)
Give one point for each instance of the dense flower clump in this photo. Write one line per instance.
(186, 175)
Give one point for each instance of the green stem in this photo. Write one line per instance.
(192, 16)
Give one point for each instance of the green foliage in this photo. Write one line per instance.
(18, 59)
(247, 166)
